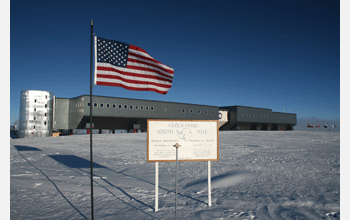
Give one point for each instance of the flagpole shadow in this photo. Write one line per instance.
(26, 148)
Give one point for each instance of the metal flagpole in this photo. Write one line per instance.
(91, 168)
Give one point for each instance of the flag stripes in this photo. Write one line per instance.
(141, 71)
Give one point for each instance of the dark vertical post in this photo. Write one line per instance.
(176, 183)
(91, 168)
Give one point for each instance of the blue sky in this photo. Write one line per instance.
(283, 55)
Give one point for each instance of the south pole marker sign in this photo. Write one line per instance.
(199, 140)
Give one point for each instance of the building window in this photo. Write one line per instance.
(119, 106)
(141, 107)
(199, 111)
(34, 127)
(45, 114)
(34, 100)
(107, 105)
(44, 122)
(35, 109)
(46, 97)
(206, 112)
(95, 104)
(146, 108)
(88, 104)
(125, 106)
(136, 107)
(152, 108)
(183, 110)
(113, 105)
(101, 105)
(34, 118)
(45, 105)
(130, 106)
(191, 111)
(213, 113)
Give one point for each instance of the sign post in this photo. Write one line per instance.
(199, 141)
(177, 157)
(157, 187)
(209, 183)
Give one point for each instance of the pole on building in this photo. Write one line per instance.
(91, 168)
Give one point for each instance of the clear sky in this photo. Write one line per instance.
(283, 55)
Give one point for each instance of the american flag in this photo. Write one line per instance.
(128, 66)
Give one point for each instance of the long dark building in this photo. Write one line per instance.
(250, 118)
(42, 113)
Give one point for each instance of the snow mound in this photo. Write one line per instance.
(224, 180)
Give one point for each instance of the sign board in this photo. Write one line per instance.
(199, 140)
(137, 126)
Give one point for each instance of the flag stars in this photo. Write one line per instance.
(112, 52)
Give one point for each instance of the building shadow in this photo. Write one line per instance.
(79, 163)
(73, 161)
(26, 148)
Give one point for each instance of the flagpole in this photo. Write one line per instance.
(91, 168)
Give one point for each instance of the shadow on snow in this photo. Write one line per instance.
(73, 161)
(27, 148)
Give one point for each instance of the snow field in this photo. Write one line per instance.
(260, 175)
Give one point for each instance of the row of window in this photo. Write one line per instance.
(45, 107)
(266, 116)
(45, 123)
(121, 106)
(136, 107)
(35, 100)
(44, 115)
(199, 111)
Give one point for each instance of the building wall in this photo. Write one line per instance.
(261, 115)
(250, 118)
(76, 111)
(148, 109)
(121, 113)
(36, 112)
(61, 118)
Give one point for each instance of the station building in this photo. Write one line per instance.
(41, 113)
(250, 118)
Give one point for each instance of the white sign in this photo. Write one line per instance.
(199, 140)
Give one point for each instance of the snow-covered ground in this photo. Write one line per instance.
(260, 175)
